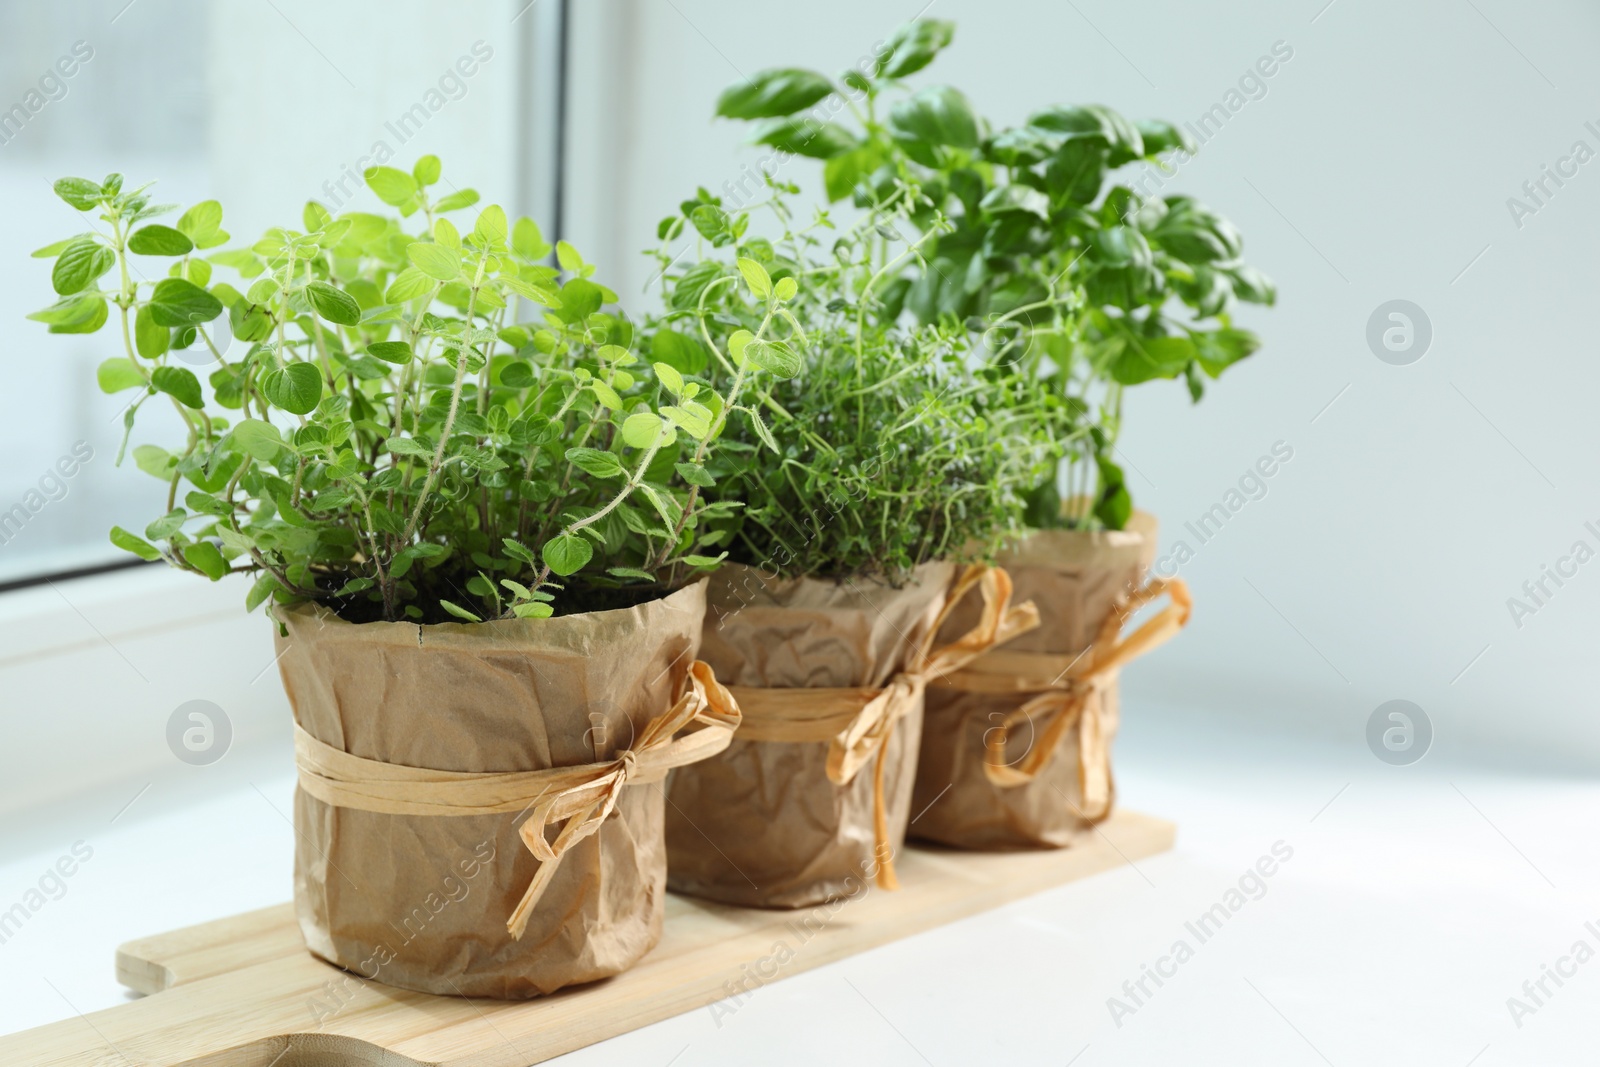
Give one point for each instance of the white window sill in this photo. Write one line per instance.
(91, 669)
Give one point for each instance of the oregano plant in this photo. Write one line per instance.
(395, 415)
(1033, 238)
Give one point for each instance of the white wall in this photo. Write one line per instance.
(1376, 167)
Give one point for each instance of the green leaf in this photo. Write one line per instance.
(154, 461)
(257, 438)
(79, 313)
(760, 427)
(1095, 122)
(115, 375)
(755, 276)
(157, 240)
(176, 302)
(132, 543)
(149, 338)
(394, 187)
(455, 201)
(1251, 286)
(296, 388)
(202, 224)
(396, 352)
(595, 462)
(81, 193)
(704, 561)
(775, 357)
(50, 251)
(773, 94)
(260, 592)
(661, 502)
(445, 233)
(333, 304)
(527, 241)
(180, 384)
(408, 285)
(694, 419)
(206, 558)
(1145, 358)
(1220, 349)
(517, 374)
(844, 172)
(491, 226)
(805, 137)
(581, 298)
(669, 377)
(566, 554)
(606, 395)
(167, 525)
(1162, 137)
(913, 46)
(206, 504)
(695, 475)
(459, 612)
(1113, 505)
(1075, 172)
(435, 260)
(631, 572)
(679, 351)
(711, 222)
(1016, 197)
(642, 430)
(786, 288)
(427, 170)
(80, 265)
(408, 446)
(938, 115)
(528, 291)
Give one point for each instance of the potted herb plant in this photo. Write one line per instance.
(876, 462)
(470, 526)
(1081, 281)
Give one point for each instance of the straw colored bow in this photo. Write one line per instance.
(857, 723)
(579, 799)
(1072, 692)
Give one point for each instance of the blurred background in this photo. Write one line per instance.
(1427, 169)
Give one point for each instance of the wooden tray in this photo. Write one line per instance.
(237, 992)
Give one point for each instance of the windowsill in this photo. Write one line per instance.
(93, 668)
(1382, 857)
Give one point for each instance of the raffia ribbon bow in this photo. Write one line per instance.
(857, 722)
(579, 798)
(1070, 692)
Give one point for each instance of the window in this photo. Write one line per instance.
(261, 106)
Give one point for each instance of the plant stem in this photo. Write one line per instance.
(462, 358)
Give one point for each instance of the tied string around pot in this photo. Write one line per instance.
(1071, 691)
(857, 722)
(579, 798)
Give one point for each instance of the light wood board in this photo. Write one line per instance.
(238, 992)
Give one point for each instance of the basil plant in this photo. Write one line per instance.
(1072, 271)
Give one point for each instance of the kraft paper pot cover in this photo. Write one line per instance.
(422, 901)
(1075, 579)
(761, 824)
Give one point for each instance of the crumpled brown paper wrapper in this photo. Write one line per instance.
(1074, 578)
(760, 824)
(421, 902)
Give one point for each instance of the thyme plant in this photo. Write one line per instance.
(889, 445)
